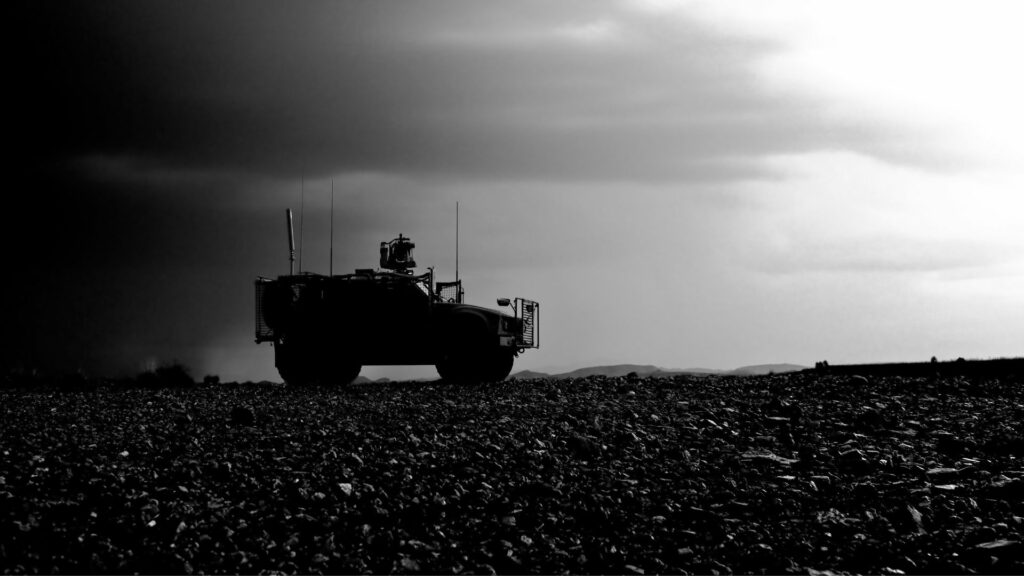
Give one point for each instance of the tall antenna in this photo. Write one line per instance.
(291, 244)
(302, 211)
(331, 267)
(456, 242)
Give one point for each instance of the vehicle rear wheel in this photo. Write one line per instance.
(293, 365)
(301, 365)
(295, 374)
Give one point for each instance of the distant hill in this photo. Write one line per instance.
(761, 369)
(386, 380)
(611, 371)
(664, 373)
(648, 370)
(528, 374)
(642, 370)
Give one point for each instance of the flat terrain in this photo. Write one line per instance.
(780, 474)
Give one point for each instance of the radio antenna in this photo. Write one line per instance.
(291, 244)
(331, 267)
(302, 211)
(456, 243)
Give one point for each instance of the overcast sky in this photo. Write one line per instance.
(687, 184)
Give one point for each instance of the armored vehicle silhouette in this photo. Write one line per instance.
(326, 328)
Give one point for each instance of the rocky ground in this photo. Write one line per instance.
(778, 474)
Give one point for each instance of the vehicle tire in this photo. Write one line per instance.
(447, 371)
(295, 373)
(500, 365)
(459, 368)
(340, 374)
(292, 365)
(493, 366)
(464, 358)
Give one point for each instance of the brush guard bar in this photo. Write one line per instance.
(528, 312)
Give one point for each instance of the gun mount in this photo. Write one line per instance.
(397, 255)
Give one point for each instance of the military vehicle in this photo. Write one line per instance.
(325, 328)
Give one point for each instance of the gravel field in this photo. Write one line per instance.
(797, 473)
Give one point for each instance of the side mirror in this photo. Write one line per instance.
(503, 302)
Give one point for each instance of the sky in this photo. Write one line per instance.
(681, 183)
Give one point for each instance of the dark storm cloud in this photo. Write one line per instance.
(464, 88)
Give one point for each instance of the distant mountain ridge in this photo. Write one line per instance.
(648, 370)
(610, 371)
(761, 369)
(642, 370)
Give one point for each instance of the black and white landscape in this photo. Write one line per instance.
(676, 183)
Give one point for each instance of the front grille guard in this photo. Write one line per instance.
(528, 312)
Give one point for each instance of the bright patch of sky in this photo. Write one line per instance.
(944, 68)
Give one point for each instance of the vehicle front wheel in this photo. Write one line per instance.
(341, 375)
(452, 369)
(499, 366)
(484, 366)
